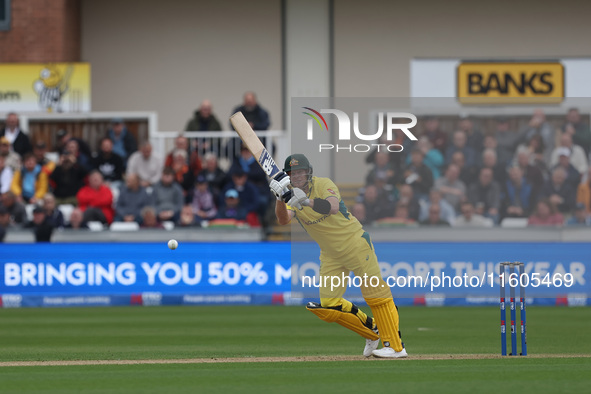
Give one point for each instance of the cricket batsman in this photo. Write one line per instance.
(344, 247)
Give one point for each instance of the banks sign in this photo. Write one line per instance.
(502, 83)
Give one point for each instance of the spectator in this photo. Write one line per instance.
(538, 126)
(490, 142)
(506, 141)
(204, 120)
(470, 219)
(67, 179)
(82, 158)
(489, 160)
(468, 175)
(248, 164)
(53, 214)
(580, 217)
(6, 175)
(459, 144)
(40, 153)
(181, 143)
(30, 183)
(77, 220)
(41, 225)
(358, 210)
(417, 174)
(168, 197)
(16, 210)
(18, 140)
(232, 208)
(203, 204)
(408, 198)
(146, 165)
(182, 174)
(545, 215)
(434, 217)
(383, 169)
(452, 189)
(149, 218)
(572, 175)
(584, 192)
(432, 158)
(437, 136)
(559, 193)
(109, 163)
(396, 160)
(132, 198)
(377, 204)
(4, 222)
(64, 137)
(485, 195)
(187, 218)
(535, 147)
(249, 195)
(96, 200)
(13, 159)
(578, 158)
(124, 143)
(474, 137)
(445, 209)
(578, 130)
(517, 196)
(533, 174)
(214, 175)
(257, 117)
(402, 214)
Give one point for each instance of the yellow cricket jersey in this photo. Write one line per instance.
(335, 234)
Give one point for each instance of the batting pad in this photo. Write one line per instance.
(386, 317)
(348, 320)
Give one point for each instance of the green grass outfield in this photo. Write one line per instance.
(313, 356)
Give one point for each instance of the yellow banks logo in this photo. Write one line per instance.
(501, 83)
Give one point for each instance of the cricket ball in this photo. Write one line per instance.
(173, 244)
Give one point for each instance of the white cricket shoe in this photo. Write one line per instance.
(388, 352)
(370, 346)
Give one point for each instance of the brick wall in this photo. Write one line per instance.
(42, 31)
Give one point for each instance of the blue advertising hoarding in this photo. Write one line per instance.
(444, 273)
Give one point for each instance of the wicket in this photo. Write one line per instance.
(511, 280)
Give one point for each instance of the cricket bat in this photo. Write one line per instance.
(254, 144)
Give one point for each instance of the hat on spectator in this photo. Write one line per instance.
(38, 209)
(238, 171)
(231, 194)
(201, 179)
(502, 119)
(40, 144)
(117, 120)
(61, 133)
(580, 206)
(563, 151)
(4, 140)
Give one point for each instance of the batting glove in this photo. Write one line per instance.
(279, 184)
(296, 198)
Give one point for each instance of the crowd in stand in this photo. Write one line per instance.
(459, 177)
(537, 176)
(124, 181)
